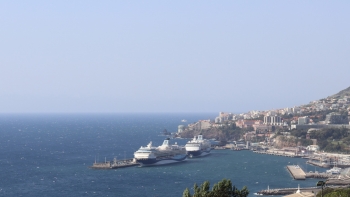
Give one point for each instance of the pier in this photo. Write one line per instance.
(319, 164)
(115, 164)
(279, 153)
(321, 175)
(286, 191)
(296, 172)
(299, 174)
(328, 161)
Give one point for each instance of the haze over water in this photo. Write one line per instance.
(181, 56)
(49, 155)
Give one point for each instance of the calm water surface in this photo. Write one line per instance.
(49, 155)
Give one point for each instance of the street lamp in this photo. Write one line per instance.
(322, 184)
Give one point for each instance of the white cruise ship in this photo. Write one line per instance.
(198, 147)
(163, 154)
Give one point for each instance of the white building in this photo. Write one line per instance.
(303, 120)
(313, 148)
(272, 120)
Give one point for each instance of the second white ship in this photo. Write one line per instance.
(163, 154)
(198, 147)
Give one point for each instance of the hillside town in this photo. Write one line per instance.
(329, 113)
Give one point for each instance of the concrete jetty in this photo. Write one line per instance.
(321, 175)
(115, 164)
(327, 164)
(279, 153)
(339, 181)
(329, 160)
(296, 172)
(319, 164)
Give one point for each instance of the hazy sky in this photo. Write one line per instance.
(178, 56)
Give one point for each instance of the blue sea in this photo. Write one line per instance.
(50, 155)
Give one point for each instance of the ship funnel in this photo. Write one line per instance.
(166, 142)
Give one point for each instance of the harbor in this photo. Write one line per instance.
(332, 178)
(244, 168)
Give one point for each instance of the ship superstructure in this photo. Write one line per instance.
(198, 147)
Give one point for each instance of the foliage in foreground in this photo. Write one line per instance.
(331, 192)
(223, 188)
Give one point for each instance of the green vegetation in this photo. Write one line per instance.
(332, 192)
(332, 140)
(329, 140)
(223, 188)
(231, 132)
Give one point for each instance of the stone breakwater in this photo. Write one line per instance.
(286, 191)
(279, 153)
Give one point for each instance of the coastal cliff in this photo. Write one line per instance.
(223, 134)
(285, 141)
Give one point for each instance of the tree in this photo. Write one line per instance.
(242, 193)
(223, 188)
(186, 193)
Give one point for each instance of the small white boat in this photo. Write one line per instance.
(334, 170)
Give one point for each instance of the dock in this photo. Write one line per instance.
(296, 172)
(340, 181)
(115, 164)
(328, 161)
(321, 175)
(319, 164)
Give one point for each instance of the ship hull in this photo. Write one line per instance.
(162, 161)
(199, 153)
